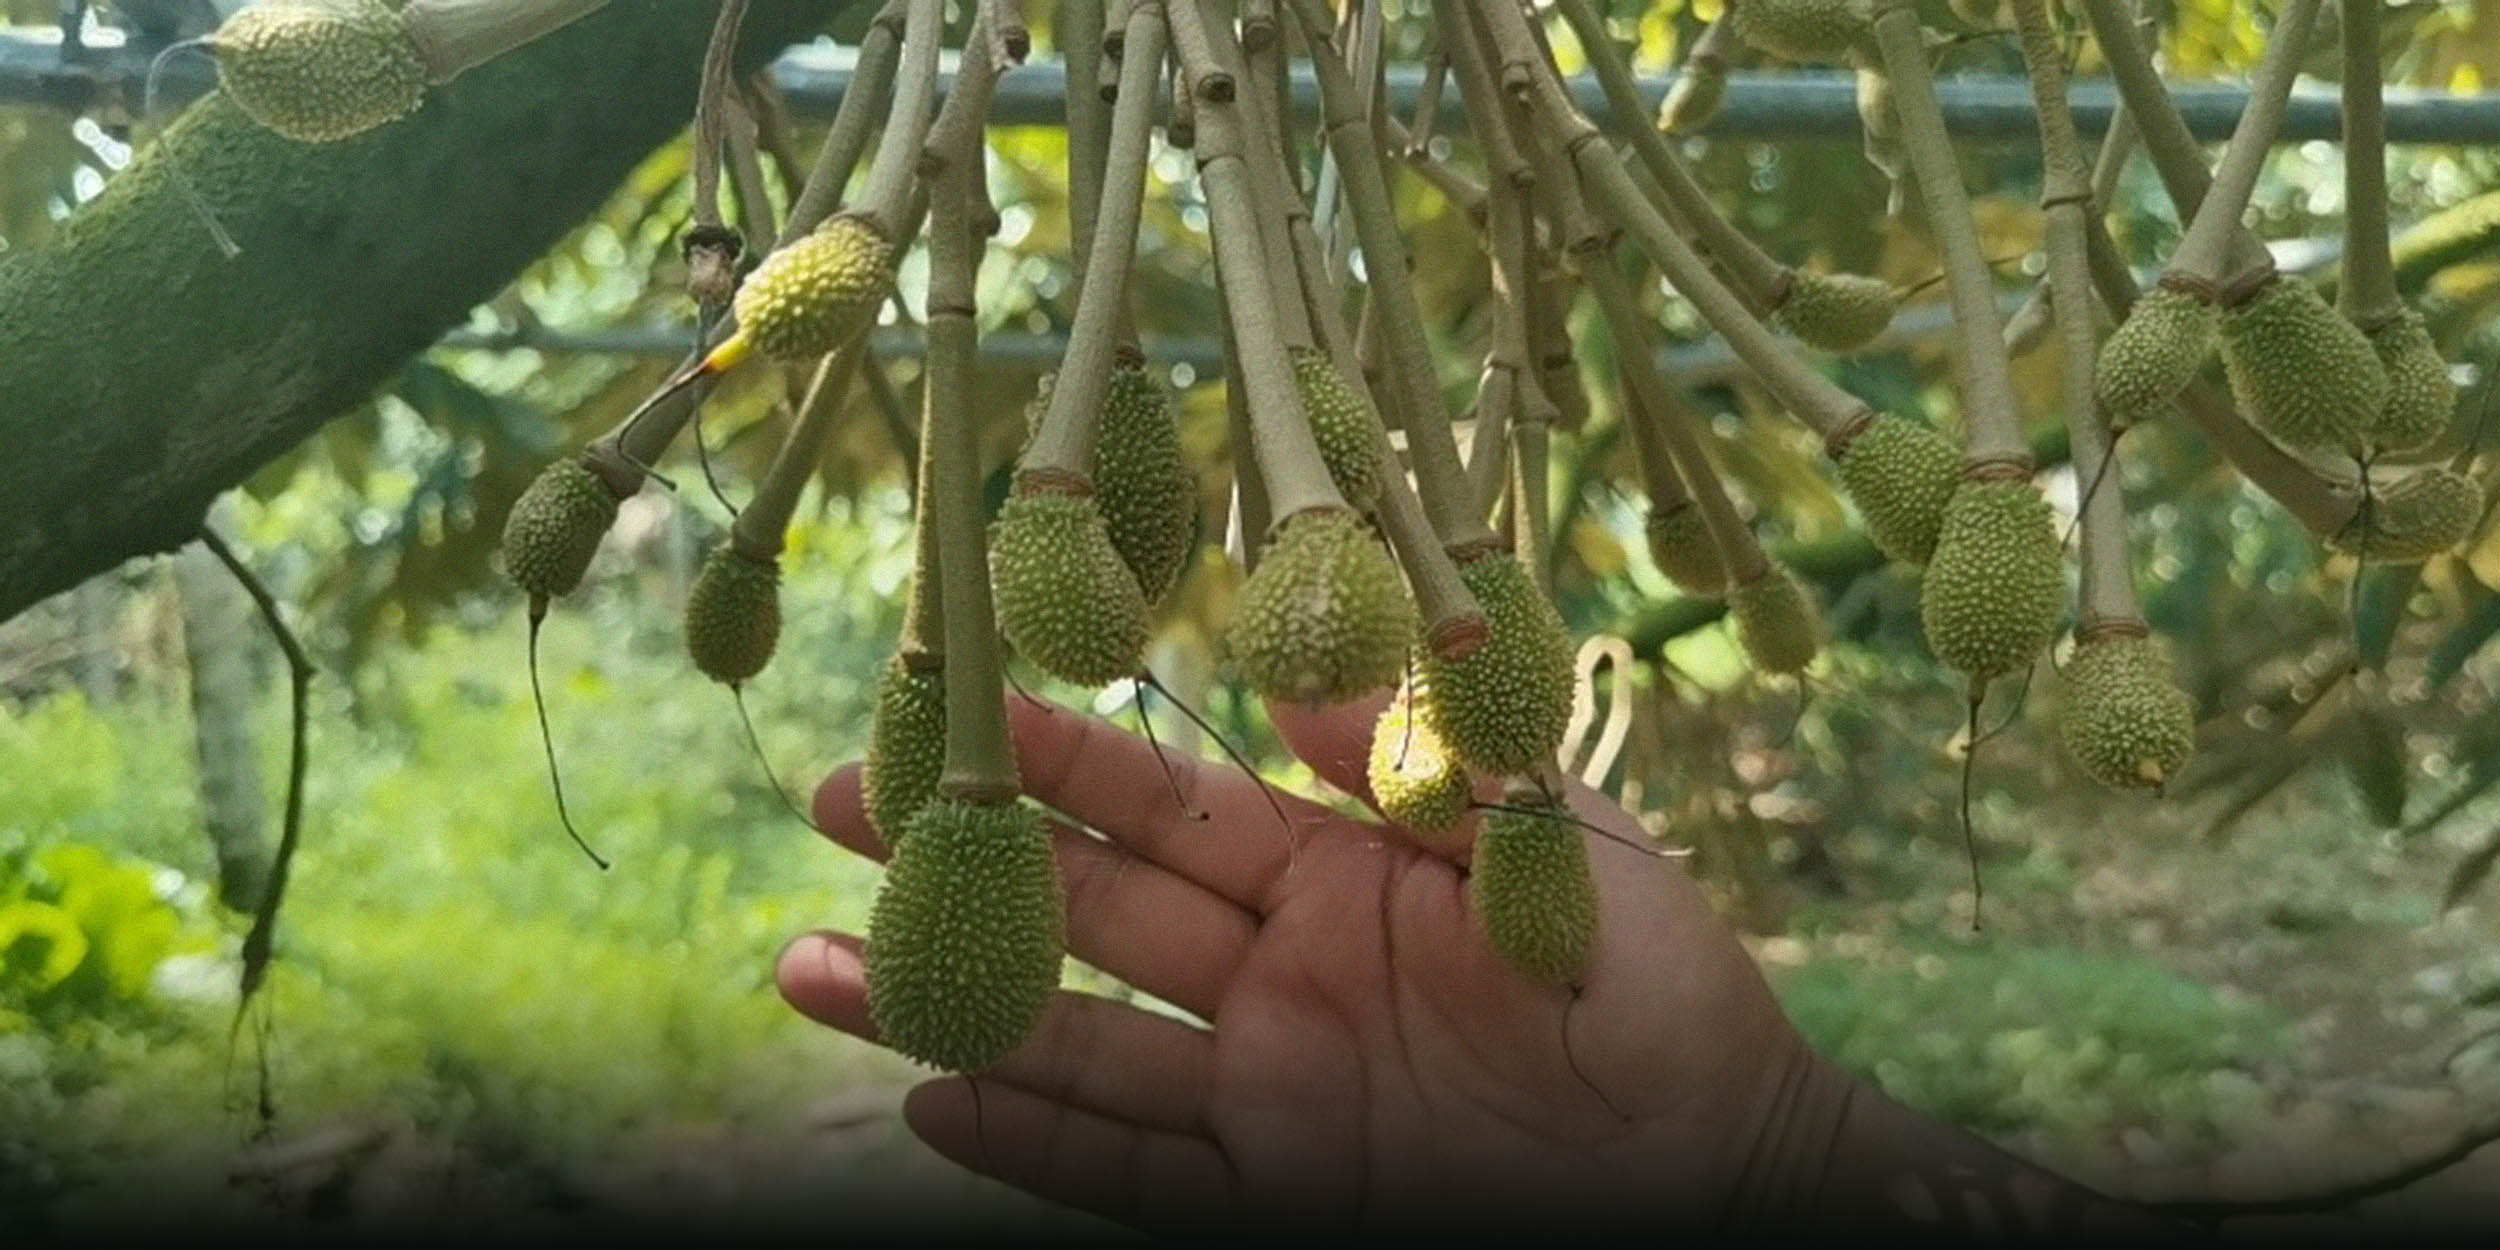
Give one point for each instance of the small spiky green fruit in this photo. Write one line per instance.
(555, 527)
(906, 745)
(2421, 398)
(1529, 882)
(1992, 595)
(809, 298)
(2152, 355)
(1819, 31)
(1681, 548)
(2415, 518)
(2124, 720)
(1837, 312)
(1776, 622)
(1503, 706)
(965, 937)
(1325, 617)
(1142, 483)
(1066, 600)
(1901, 473)
(1342, 424)
(733, 615)
(1414, 777)
(319, 72)
(2301, 372)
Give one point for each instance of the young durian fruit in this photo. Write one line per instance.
(555, 527)
(1066, 600)
(1414, 777)
(906, 744)
(1776, 622)
(1836, 312)
(1821, 31)
(1681, 549)
(2301, 372)
(1530, 886)
(2152, 355)
(1142, 483)
(1901, 473)
(1503, 706)
(2124, 720)
(1341, 423)
(1325, 617)
(733, 615)
(319, 72)
(965, 937)
(2415, 518)
(2421, 399)
(1992, 594)
(808, 298)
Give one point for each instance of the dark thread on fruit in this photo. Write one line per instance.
(546, 736)
(1572, 1060)
(1566, 816)
(1970, 759)
(226, 246)
(1224, 744)
(1163, 763)
(738, 695)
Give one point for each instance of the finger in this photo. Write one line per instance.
(1109, 1058)
(1143, 924)
(1335, 740)
(1128, 1172)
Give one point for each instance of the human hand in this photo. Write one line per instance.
(1371, 1061)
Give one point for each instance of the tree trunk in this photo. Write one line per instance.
(142, 372)
(219, 631)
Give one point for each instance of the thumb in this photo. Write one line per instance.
(1333, 738)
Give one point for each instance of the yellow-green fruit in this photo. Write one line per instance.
(733, 615)
(1503, 706)
(1803, 30)
(2415, 518)
(1901, 473)
(2421, 399)
(1142, 483)
(2301, 372)
(1066, 600)
(1325, 617)
(1694, 99)
(1414, 778)
(2125, 721)
(555, 527)
(906, 746)
(965, 937)
(1992, 594)
(1776, 622)
(1529, 882)
(1342, 424)
(1837, 312)
(2152, 355)
(808, 298)
(1681, 549)
(318, 72)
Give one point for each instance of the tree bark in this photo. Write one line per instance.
(142, 372)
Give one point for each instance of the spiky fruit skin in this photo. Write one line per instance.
(1503, 706)
(1992, 594)
(965, 937)
(1341, 423)
(1529, 883)
(1818, 31)
(319, 72)
(1681, 549)
(2301, 372)
(2125, 722)
(1776, 622)
(1142, 483)
(733, 616)
(906, 746)
(1901, 474)
(1414, 777)
(1325, 617)
(1066, 600)
(2421, 399)
(808, 298)
(1837, 312)
(2416, 518)
(555, 527)
(2151, 356)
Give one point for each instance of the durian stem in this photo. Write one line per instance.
(924, 609)
(457, 35)
(888, 188)
(746, 172)
(2024, 329)
(2176, 155)
(1250, 508)
(2201, 251)
(1992, 428)
(1505, 235)
(2369, 294)
(871, 88)
(757, 533)
(711, 123)
(1707, 59)
(1070, 425)
(1272, 193)
(1079, 34)
(1454, 184)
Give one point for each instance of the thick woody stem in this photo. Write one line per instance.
(757, 532)
(2201, 250)
(1272, 190)
(456, 35)
(2369, 294)
(1251, 514)
(2175, 153)
(2024, 329)
(1079, 33)
(888, 188)
(711, 123)
(872, 85)
(746, 171)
